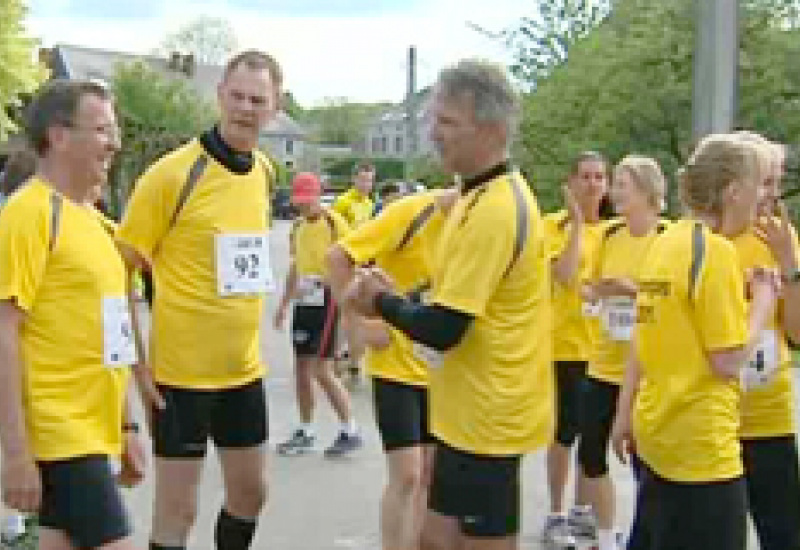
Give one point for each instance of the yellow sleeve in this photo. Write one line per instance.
(478, 255)
(379, 235)
(342, 206)
(24, 249)
(150, 208)
(720, 310)
(555, 236)
(342, 226)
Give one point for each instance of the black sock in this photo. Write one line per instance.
(233, 533)
(154, 546)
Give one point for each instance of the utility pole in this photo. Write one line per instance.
(411, 146)
(715, 67)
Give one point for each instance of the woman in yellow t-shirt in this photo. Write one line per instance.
(679, 403)
(573, 235)
(637, 191)
(769, 446)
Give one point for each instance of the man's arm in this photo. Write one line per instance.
(21, 482)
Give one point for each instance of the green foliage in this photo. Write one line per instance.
(19, 72)
(341, 170)
(337, 121)
(157, 113)
(210, 39)
(627, 87)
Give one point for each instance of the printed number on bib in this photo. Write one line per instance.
(311, 292)
(590, 309)
(243, 264)
(619, 318)
(119, 349)
(434, 359)
(764, 363)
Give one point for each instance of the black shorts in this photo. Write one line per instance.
(314, 329)
(773, 490)
(233, 418)
(598, 406)
(481, 492)
(81, 498)
(707, 516)
(401, 411)
(569, 377)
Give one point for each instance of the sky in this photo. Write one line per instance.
(356, 49)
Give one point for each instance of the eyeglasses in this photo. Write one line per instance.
(110, 131)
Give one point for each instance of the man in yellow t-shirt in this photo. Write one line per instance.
(314, 321)
(399, 241)
(65, 332)
(356, 205)
(485, 332)
(198, 219)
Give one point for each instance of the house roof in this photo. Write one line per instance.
(282, 125)
(71, 61)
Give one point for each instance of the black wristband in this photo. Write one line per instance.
(388, 305)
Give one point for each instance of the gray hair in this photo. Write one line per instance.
(487, 83)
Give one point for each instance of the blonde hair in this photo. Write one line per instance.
(718, 161)
(647, 176)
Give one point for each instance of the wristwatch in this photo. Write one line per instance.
(792, 276)
(131, 427)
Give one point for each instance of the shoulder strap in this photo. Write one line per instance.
(331, 224)
(522, 219)
(195, 172)
(613, 228)
(417, 223)
(661, 226)
(56, 202)
(698, 255)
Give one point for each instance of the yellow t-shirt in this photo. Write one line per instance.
(686, 418)
(619, 257)
(574, 333)
(73, 401)
(311, 239)
(199, 339)
(767, 411)
(354, 206)
(493, 393)
(380, 239)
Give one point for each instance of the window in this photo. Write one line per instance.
(383, 144)
(289, 147)
(398, 144)
(376, 144)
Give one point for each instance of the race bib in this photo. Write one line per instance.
(434, 359)
(311, 292)
(763, 365)
(590, 309)
(119, 349)
(243, 264)
(619, 318)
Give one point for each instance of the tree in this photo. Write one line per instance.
(541, 42)
(156, 114)
(210, 39)
(627, 87)
(19, 72)
(338, 121)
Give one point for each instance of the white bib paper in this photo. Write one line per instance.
(119, 349)
(243, 264)
(619, 318)
(311, 292)
(763, 365)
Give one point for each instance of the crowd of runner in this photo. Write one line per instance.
(488, 330)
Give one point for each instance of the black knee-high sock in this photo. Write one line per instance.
(155, 546)
(233, 533)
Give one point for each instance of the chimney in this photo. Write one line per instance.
(174, 62)
(189, 64)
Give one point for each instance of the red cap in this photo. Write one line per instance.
(306, 188)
